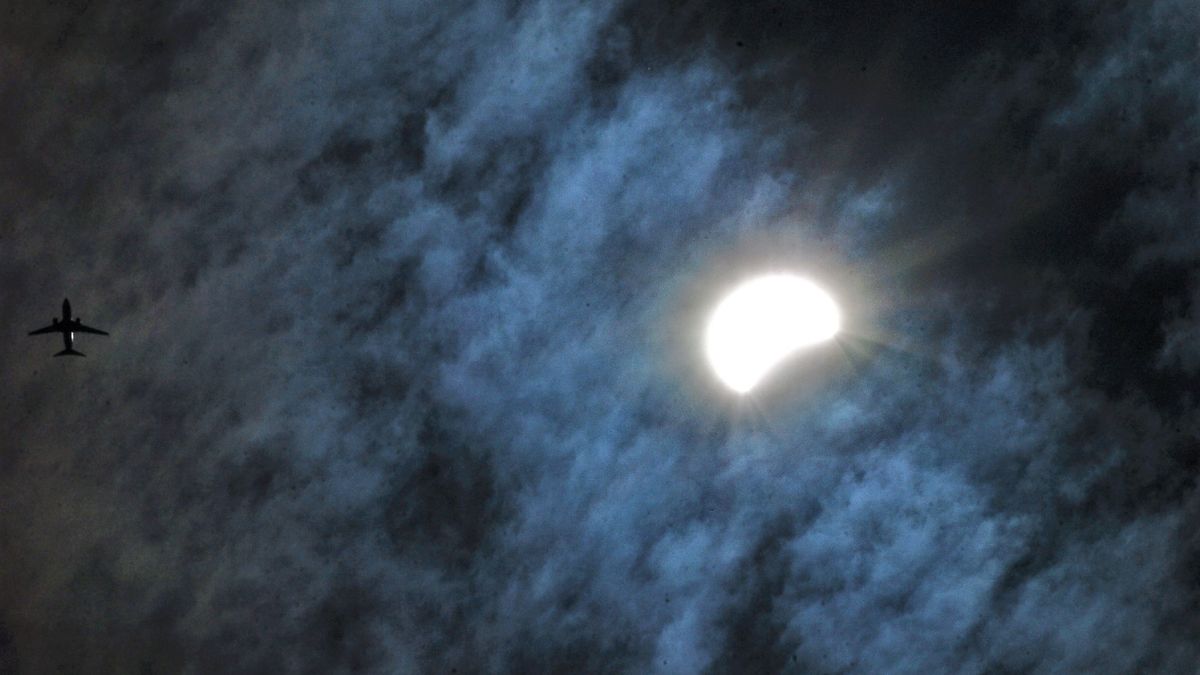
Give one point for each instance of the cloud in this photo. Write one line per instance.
(403, 373)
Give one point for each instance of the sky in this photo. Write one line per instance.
(406, 300)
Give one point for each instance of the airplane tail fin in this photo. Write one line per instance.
(70, 352)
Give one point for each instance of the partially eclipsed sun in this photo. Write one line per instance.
(762, 322)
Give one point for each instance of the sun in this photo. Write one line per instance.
(762, 322)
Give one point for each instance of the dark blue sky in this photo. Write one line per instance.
(406, 302)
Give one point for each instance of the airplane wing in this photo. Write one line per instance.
(47, 329)
(80, 328)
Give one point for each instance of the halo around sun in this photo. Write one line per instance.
(762, 322)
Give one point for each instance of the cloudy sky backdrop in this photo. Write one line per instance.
(406, 302)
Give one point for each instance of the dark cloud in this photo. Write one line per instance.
(405, 302)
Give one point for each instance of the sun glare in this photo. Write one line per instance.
(762, 322)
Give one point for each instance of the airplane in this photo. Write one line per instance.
(68, 327)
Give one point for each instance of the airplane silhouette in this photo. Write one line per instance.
(68, 327)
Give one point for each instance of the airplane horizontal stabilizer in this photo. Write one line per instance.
(70, 352)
